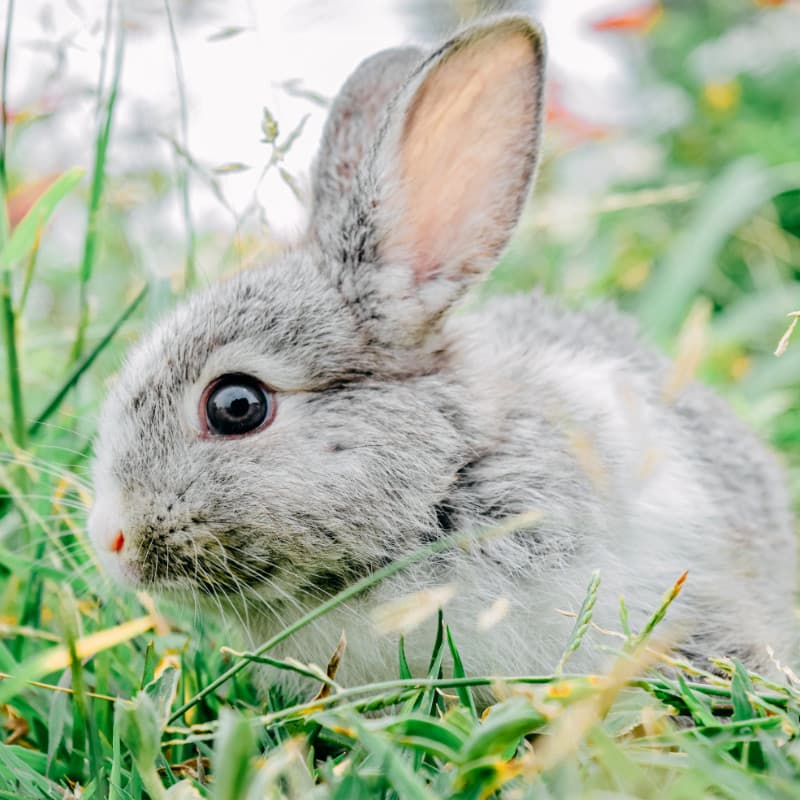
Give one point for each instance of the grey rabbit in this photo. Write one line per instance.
(300, 425)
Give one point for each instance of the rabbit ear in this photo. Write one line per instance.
(461, 154)
(438, 198)
(353, 124)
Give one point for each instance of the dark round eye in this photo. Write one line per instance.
(235, 405)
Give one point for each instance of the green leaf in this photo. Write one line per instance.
(55, 726)
(234, 748)
(407, 783)
(428, 700)
(27, 767)
(435, 663)
(769, 375)
(352, 787)
(139, 729)
(115, 791)
(150, 661)
(729, 201)
(23, 238)
(405, 671)
(162, 691)
(464, 693)
(428, 729)
(505, 725)
(740, 686)
(700, 711)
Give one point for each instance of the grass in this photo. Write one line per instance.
(105, 117)
(105, 695)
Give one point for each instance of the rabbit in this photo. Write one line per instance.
(302, 424)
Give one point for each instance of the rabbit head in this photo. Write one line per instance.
(292, 427)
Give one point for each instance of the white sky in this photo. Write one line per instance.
(229, 81)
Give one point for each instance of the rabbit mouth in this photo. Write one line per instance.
(198, 570)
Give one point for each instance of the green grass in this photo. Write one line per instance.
(108, 695)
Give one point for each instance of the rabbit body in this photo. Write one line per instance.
(399, 422)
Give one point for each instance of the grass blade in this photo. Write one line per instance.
(464, 694)
(102, 140)
(185, 172)
(402, 778)
(24, 237)
(9, 325)
(4, 107)
(9, 328)
(405, 670)
(729, 201)
(80, 368)
(235, 747)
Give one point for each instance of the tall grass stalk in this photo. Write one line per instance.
(102, 139)
(9, 327)
(80, 368)
(9, 321)
(4, 96)
(184, 172)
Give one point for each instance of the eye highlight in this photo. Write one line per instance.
(236, 405)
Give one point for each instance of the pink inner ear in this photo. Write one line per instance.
(466, 154)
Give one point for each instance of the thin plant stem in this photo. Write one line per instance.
(9, 327)
(9, 320)
(102, 140)
(185, 172)
(4, 96)
(80, 368)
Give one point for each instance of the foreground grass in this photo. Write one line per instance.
(104, 697)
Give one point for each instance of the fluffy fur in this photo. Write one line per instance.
(399, 422)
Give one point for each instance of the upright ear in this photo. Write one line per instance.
(353, 124)
(443, 190)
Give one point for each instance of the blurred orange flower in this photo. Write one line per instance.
(640, 19)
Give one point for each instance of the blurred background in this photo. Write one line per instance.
(670, 183)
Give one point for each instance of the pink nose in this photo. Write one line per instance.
(119, 542)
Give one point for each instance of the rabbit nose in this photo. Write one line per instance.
(119, 542)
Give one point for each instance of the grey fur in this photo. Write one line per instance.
(398, 421)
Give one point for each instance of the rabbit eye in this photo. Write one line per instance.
(235, 405)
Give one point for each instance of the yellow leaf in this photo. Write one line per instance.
(58, 658)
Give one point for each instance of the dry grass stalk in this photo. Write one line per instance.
(406, 613)
(332, 668)
(488, 618)
(691, 349)
(784, 342)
